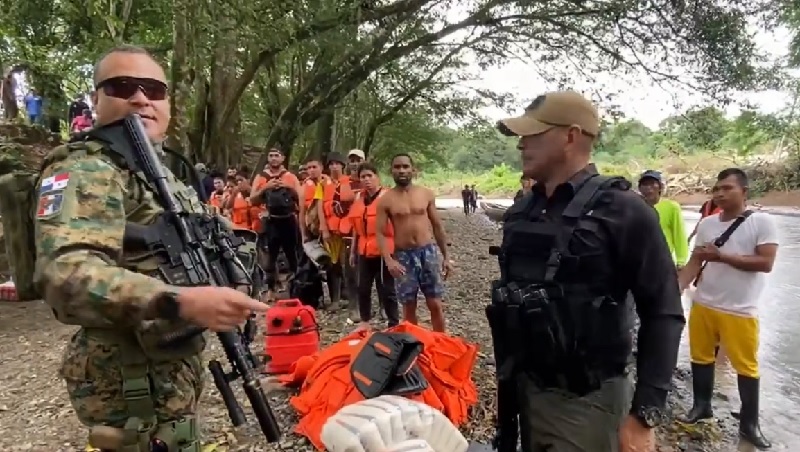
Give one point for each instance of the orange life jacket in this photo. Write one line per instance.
(308, 192)
(338, 197)
(709, 209)
(255, 217)
(365, 222)
(215, 200)
(326, 383)
(241, 212)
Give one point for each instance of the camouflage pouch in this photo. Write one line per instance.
(312, 219)
(17, 204)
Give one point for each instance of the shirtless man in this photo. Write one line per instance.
(419, 261)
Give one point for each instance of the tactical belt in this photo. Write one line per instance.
(141, 431)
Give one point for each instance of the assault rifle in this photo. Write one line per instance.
(194, 250)
(498, 313)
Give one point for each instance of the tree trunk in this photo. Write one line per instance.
(323, 143)
(222, 144)
(181, 82)
(9, 98)
(369, 139)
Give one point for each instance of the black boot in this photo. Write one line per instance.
(703, 389)
(749, 428)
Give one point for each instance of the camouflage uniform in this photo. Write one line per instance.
(113, 371)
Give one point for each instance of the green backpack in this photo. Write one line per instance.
(17, 203)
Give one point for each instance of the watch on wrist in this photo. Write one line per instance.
(167, 306)
(649, 416)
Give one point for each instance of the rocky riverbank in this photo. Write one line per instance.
(37, 415)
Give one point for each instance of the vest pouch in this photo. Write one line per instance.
(527, 247)
(247, 252)
(607, 333)
(539, 333)
(17, 203)
(150, 333)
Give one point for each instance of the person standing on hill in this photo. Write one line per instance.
(670, 215)
(76, 108)
(82, 123)
(34, 105)
(571, 252)
(419, 261)
(734, 251)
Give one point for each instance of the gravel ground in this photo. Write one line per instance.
(37, 416)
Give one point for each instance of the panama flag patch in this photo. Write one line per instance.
(51, 195)
(50, 204)
(57, 181)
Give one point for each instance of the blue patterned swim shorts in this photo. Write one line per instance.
(423, 267)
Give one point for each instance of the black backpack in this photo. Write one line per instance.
(281, 201)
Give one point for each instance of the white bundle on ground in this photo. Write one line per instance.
(412, 445)
(376, 425)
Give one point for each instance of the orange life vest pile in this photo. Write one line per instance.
(326, 383)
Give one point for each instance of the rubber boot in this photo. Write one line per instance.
(703, 389)
(749, 429)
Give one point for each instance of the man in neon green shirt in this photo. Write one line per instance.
(651, 186)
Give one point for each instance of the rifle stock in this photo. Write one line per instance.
(195, 250)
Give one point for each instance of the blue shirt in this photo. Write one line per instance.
(33, 104)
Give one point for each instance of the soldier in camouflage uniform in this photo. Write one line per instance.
(115, 375)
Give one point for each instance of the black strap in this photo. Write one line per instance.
(724, 237)
(580, 204)
(269, 176)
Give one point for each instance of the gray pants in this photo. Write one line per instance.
(556, 421)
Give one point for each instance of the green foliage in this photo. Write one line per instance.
(393, 76)
(698, 141)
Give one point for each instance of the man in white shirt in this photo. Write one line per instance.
(725, 305)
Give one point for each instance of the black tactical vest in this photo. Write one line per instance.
(560, 321)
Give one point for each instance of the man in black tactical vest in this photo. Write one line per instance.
(571, 251)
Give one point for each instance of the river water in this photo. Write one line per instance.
(780, 338)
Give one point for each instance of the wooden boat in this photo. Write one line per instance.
(494, 211)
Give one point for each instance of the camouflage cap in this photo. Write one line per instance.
(555, 109)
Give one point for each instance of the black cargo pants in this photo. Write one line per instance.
(281, 234)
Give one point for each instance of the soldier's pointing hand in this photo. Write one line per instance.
(216, 308)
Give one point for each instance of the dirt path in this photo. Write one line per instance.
(36, 415)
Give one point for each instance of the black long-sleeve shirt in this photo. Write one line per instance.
(640, 262)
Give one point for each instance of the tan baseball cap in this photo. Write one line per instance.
(555, 109)
(358, 153)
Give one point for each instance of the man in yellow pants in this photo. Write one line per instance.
(735, 250)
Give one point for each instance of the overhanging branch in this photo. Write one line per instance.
(306, 32)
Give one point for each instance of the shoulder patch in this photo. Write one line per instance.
(56, 182)
(50, 204)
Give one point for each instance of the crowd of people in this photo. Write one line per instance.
(391, 238)
(575, 244)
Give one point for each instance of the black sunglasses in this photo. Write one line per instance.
(127, 87)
